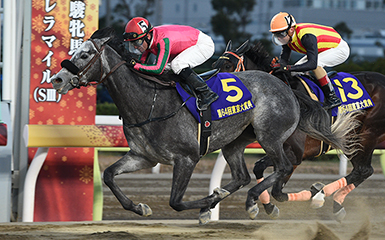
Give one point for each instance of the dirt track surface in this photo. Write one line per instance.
(365, 217)
(188, 229)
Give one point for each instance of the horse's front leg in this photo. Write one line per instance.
(345, 185)
(128, 163)
(362, 169)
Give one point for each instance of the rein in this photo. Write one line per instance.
(150, 118)
(76, 80)
(240, 66)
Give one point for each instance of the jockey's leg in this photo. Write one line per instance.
(199, 86)
(331, 99)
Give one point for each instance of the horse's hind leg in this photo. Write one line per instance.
(282, 169)
(181, 176)
(233, 154)
(294, 148)
(259, 167)
(129, 163)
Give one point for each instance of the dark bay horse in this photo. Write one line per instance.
(300, 147)
(160, 129)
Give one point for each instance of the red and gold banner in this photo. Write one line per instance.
(64, 190)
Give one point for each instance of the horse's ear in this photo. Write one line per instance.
(243, 48)
(229, 46)
(101, 41)
(104, 40)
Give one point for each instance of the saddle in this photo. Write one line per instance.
(172, 83)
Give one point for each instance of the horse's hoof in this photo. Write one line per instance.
(145, 209)
(222, 193)
(204, 217)
(271, 210)
(275, 213)
(316, 187)
(318, 200)
(253, 211)
(340, 215)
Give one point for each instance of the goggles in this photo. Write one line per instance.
(133, 48)
(137, 43)
(278, 38)
(281, 34)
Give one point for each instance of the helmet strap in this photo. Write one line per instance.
(290, 21)
(148, 41)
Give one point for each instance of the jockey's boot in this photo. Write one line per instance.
(205, 95)
(331, 99)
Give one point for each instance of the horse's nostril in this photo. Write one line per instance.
(57, 80)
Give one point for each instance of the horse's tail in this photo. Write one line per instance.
(315, 122)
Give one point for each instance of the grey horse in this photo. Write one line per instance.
(160, 129)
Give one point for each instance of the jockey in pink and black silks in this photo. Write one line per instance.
(322, 45)
(183, 47)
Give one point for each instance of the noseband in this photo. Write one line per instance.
(234, 58)
(76, 81)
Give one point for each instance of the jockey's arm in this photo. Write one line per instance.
(285, 55)
(163, 54)
(309, 42)
(144, 57)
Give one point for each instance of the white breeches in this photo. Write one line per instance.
(331, 57)
(194, 55)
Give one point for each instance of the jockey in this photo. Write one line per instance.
(183, 46)
(322, 45)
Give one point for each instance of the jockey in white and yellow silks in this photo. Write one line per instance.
(322, 45)
(184, 47)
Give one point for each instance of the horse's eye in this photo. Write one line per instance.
(84, 56)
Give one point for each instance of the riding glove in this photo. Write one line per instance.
(131, 63)
(279, 68)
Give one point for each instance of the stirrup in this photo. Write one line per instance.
(203, 106)
(331, 105)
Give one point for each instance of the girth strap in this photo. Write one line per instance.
(204, 132)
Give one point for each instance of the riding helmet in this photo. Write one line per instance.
(281, 22)
(137, 28)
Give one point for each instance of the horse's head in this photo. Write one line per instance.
(246, 57)
(232, 60)
(85, 66)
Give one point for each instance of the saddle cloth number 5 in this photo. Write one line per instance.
(227, 88)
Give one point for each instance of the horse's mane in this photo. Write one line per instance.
(115, 42)
(260, 56)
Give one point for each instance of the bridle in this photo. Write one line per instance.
(79, 74)
(240, 63)
(76, 81)
(234, 58)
